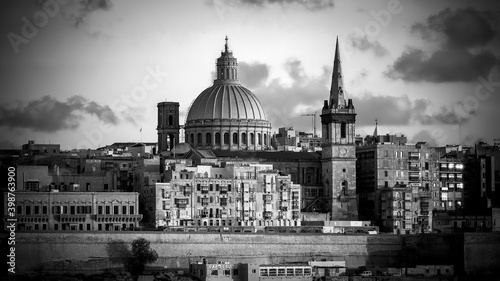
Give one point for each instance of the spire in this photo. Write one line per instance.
(227, 67)
(337, 89)
(375, 133)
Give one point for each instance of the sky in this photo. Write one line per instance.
(89, 73)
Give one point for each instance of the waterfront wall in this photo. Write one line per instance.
(86, 252)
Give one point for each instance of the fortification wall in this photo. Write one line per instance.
(81, 252)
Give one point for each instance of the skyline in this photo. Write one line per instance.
(90, 73)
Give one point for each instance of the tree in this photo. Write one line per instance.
(142, 254)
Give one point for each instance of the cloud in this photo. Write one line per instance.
(456, 32)
(446, 65)
(311, 5)
(389, 110)
(462, 27)
(425, 136)
(76, 12)
(49, 115)
(252, 74)
(364, 44)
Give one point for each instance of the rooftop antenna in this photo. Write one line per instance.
(459, 133)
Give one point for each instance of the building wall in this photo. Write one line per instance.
(76, 211)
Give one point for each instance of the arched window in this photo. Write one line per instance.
(170, 120)
(226, 138)
(344, 187)
(252, 138)
(217, 138)
(235, 138)
(244, 138)
(265, 139)
(259, 139)
(192, 139)
(208, 139)
(199, 139)
(342, 130)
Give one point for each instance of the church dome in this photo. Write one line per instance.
(226, 102)
(226, 115)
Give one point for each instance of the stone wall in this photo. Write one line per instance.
(81, 250)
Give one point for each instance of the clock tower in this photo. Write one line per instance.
(338, 120)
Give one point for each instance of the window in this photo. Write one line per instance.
(214, 272)
(208, 139)
(265, 139)
(235, 138)
(199, 140)
(386, 174)
(44, 210)
(252, 138)
(244, 138)
(37, 210)
(217, 138)
(192, 139)
(99, 210)
(343, 130)
(259, 138)
(170, 120)
(28, 210)
(19, 210)
(227, 272)
(131, 210)
(235, 272)
(226, 138)
(115, 210)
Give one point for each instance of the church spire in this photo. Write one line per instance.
(337, 91)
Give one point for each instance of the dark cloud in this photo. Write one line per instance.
(459, 30)
(49, 115)
(311, 5)
(77, 11)
(252, 74)
(364, 44)
(462, 27)
(446, 65)
(453, 115)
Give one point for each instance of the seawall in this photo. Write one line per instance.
(87, 252)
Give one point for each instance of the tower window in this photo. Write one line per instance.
(170, 120)
(344, 187)
(342, 130)
(217, 138)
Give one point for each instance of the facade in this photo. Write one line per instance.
(338, 120)
(249, 194)
(227, 116)
(168, 125)
(88, 211)
(396, 183)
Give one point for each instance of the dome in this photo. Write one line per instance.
(226, 101)
(226, 115)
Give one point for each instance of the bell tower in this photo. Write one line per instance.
(338, 120)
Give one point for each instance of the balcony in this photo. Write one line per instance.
(118, 218)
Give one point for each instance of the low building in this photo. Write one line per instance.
(77, 211)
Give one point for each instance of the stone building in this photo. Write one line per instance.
(338, 120)
(234, 195)
(76, 211)
(226, 115)
(168, 125)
